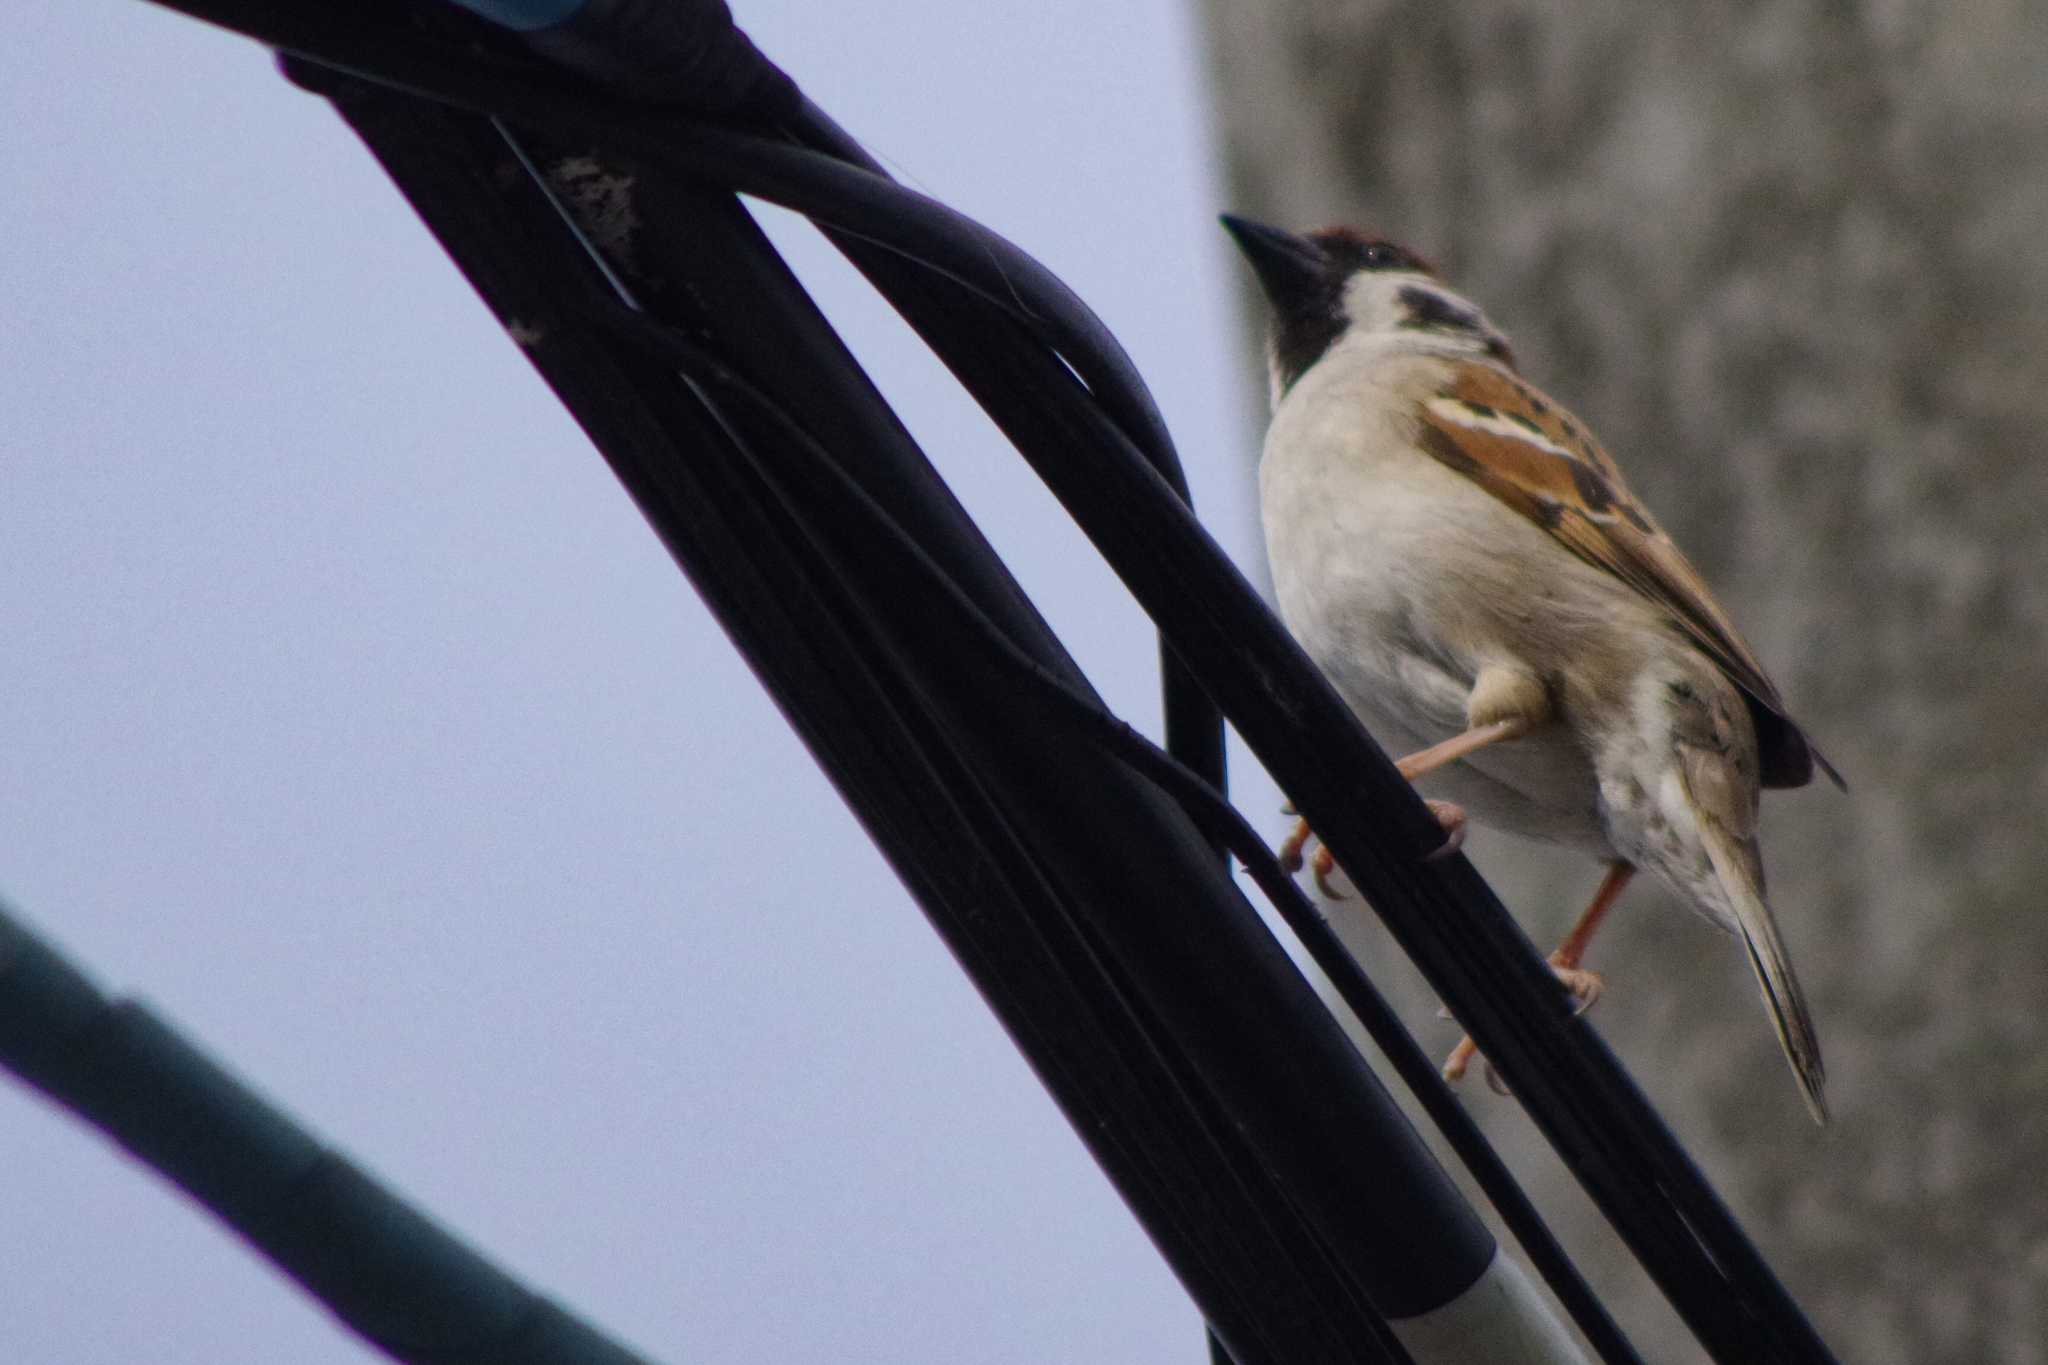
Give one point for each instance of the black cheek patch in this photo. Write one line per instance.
(1427, 308)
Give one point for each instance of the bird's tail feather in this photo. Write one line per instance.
(1741, 877)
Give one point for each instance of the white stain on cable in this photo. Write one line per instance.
(602, 202)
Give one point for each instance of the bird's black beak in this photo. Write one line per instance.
(1292, 270)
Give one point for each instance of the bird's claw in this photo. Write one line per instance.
(1289, 856)
(1289, 852)
(1324, 865)
(1451, 816)
(1460, 1060)
(1585, 988)
(1448, 814)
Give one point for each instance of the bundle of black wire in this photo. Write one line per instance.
(1073, 868)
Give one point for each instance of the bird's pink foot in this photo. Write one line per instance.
(1448, 814)
(1451, 816)
(1585, 988)
(1460, 1058)
(1289, 852)
(1324, 864)
(1290, 859)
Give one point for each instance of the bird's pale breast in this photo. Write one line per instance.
(1402, 579)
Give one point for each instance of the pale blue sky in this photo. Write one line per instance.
(354, 718)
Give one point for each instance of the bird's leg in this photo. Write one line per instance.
(1289, 857)
(1424, 761)
(1505, 703)
(1585, 986)
(1449, 814)
(1289, 852)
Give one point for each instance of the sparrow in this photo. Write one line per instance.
(1468, 566)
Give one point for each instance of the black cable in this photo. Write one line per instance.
(871, 205)
(1601, 1157)
(1122, 1079)
(1228, 989)
(1445, 918)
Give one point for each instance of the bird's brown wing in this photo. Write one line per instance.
(1513, 441)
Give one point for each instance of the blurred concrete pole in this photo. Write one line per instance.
(1790, 262)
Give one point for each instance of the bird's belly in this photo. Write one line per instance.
(1540, 786)
(1345, 572)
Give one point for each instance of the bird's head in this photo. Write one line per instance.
(1338, 282)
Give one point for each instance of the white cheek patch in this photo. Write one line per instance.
(1372, 299)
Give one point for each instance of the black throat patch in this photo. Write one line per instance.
(1302, 335)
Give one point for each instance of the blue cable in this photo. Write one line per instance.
(524, 16)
